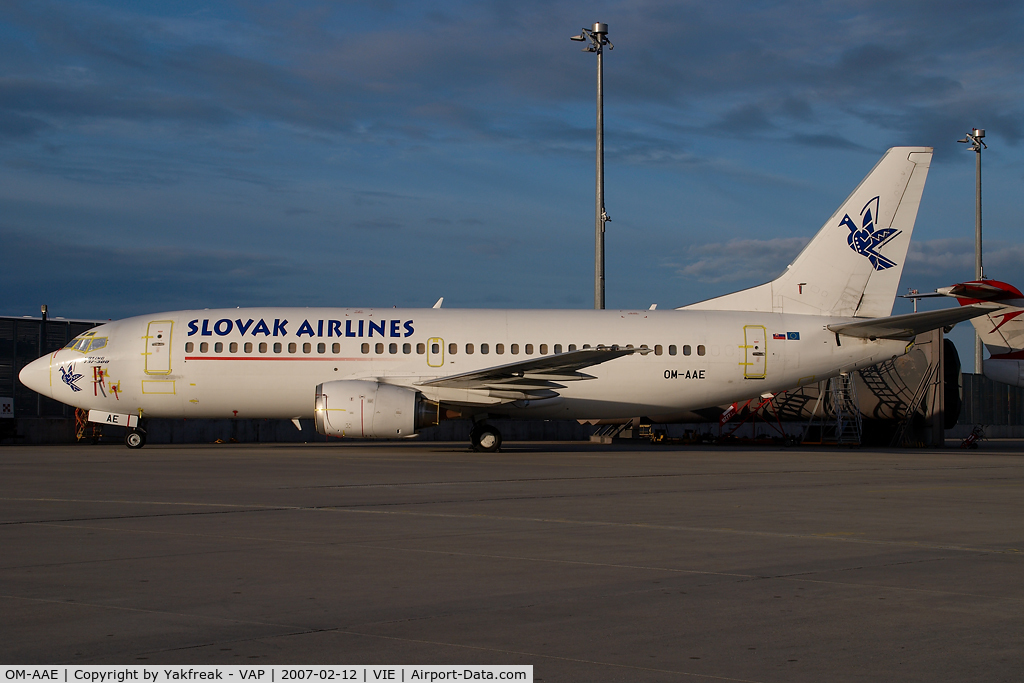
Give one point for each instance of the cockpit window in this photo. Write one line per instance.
(85, 344)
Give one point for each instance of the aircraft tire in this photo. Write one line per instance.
(486, 438)
(135, 438)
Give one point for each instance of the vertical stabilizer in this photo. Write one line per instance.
(852, 267)
(1002, 331)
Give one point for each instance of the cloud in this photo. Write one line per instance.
(89, 279)
(954, 257)
(249, 122)
(790, 72)
(15, 125)
(740, 259)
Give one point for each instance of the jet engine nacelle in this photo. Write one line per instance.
(364, 409)
(1008, 371)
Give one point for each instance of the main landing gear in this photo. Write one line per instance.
(485, 438)
(135, 438)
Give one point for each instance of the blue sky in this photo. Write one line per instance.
(160, 155)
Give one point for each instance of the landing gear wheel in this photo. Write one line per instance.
(135, 438)
(485, 438)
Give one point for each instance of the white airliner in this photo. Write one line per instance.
(385, 373)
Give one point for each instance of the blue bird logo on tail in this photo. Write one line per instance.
(865, 240)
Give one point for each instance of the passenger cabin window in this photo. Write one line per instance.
(558, 348)
(686, 349)
(407, 348)
(435, 348)
(189, 346)
(365, 348)
(421, 349)
(291, 347)
(572, 347)
(485, 349)
(277, 347)
(657, 350)
(392, 348)
(469, 348)
(204, 347)
(218, 347)
(247, 347)
(672, 350)
(499, 348)
(453, 349)
(335, 348)
(263, 347)
(321, 348)
(529, 349)
(378, 348)
(700, 349)
(515, 349)
(543, 349)
(307, 347)
(233, 347)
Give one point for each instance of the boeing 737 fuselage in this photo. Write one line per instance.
(385, 373)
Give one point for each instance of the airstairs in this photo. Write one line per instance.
(606, 433)
(841, 424)
(900, 437)
(885, 384)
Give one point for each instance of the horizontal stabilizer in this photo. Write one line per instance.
(910, 325)
(534, 372)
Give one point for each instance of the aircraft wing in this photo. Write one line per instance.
(910, 325)
(534, 375)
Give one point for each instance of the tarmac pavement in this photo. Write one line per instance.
(592, 563)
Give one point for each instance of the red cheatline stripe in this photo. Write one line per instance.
(1012, 355)
(329, 358)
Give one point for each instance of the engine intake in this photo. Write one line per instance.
(364, 409)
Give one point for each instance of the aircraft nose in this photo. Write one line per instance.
(36, 376)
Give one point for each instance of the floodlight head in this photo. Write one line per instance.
(979, 132)
(964, 140)
(578, 38)
(600, 29)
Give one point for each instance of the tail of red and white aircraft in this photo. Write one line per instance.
(1001, 331)
(853, 264)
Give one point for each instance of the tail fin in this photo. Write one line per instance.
(852, 267)
(1002, 331)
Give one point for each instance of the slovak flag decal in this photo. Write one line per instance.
(778, 336)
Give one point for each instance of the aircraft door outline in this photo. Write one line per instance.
(435, 352)
(158, 347)
(755, 352)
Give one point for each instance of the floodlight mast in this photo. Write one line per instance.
(974, 139)
(598, 37)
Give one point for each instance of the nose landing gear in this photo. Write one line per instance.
(485, 438)
(135, 438)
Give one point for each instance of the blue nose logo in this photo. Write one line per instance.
(70, 377)
(865, 240)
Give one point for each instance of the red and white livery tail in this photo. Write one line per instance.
(1001, 331)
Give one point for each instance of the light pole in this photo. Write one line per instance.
(974, 139)
(598, 37)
